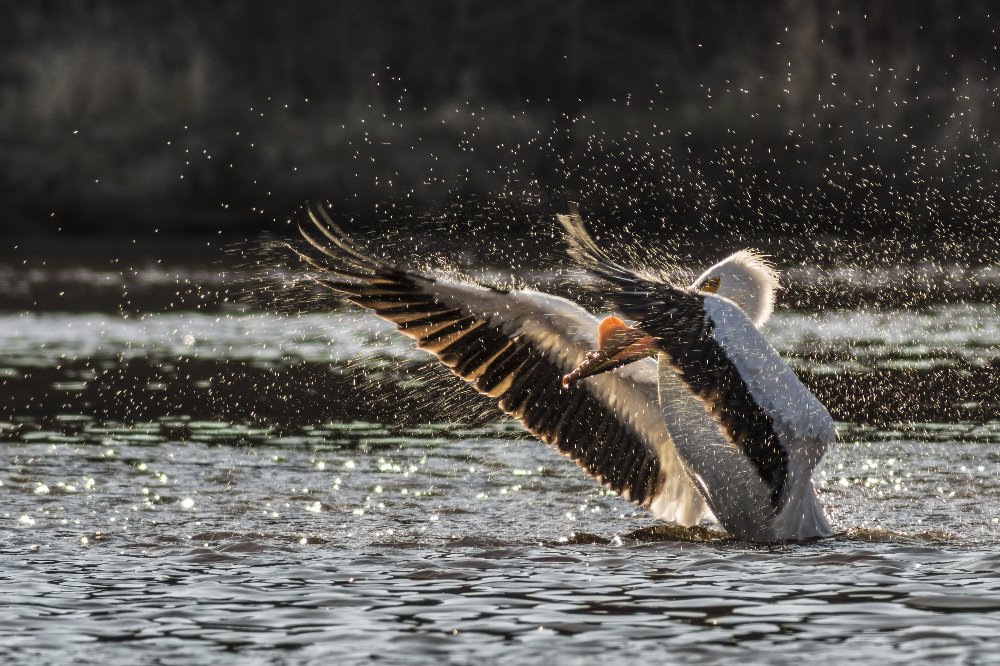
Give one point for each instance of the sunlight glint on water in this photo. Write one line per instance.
(154, 506)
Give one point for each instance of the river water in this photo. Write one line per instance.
(205, 481)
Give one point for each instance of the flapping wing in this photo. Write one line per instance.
(515, 347)
(759, 404)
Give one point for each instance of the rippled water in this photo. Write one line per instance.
(228, 485)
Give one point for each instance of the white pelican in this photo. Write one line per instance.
(747, 430)
(517, 346)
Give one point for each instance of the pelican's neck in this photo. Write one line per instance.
(746, 279)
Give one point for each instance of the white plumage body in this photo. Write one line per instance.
(731, 485)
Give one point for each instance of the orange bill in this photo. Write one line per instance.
(618, 345)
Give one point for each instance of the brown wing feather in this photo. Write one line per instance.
(499, 359)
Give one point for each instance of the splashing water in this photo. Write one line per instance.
(192, 467)
(290, 476)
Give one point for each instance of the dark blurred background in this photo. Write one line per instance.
(183, 117)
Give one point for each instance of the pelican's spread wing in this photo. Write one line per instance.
(515, 347)
(755, 404)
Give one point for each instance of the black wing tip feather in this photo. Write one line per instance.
(585, 251)
(580, 244)
(337, 251)
(341, 263)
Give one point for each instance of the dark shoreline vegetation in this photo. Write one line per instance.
(712, 118)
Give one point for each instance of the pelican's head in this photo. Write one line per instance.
(746, 279)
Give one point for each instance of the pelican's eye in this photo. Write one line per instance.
(711, 285)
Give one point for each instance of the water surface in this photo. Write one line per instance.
(229, 484)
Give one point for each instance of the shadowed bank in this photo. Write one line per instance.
(186, 117)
